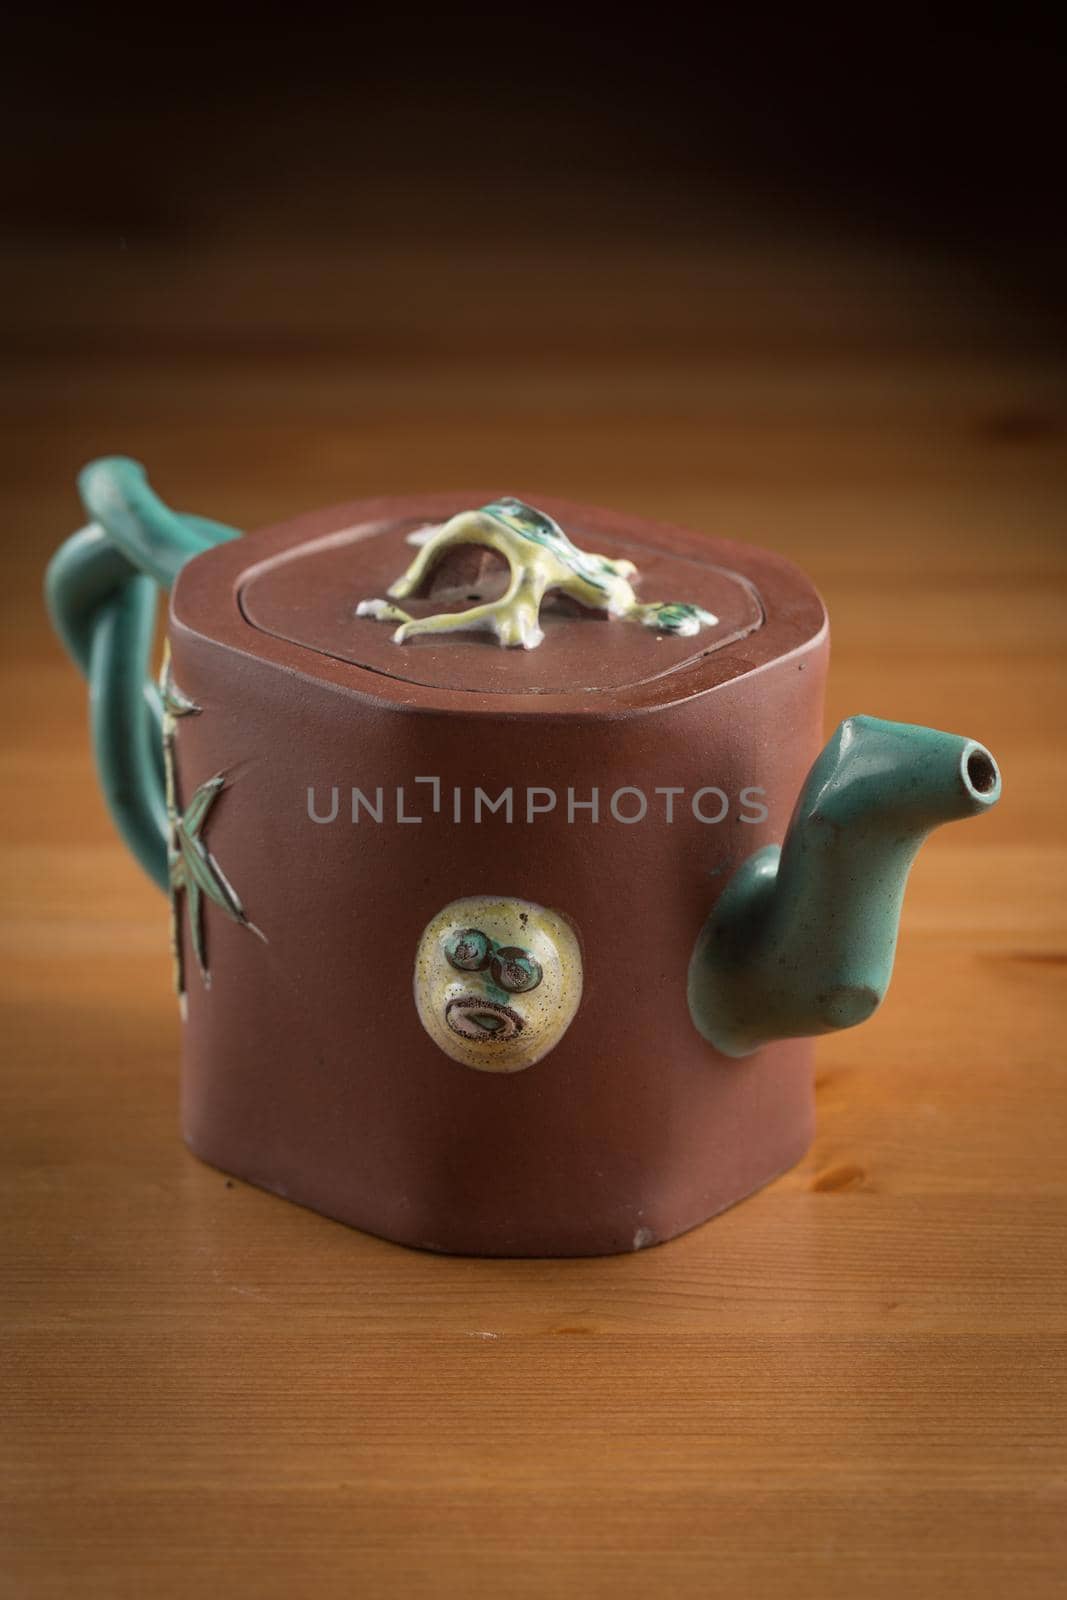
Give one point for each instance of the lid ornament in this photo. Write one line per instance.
(541, 558)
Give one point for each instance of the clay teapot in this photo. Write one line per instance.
(498, 925)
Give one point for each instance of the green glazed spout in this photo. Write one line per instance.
(802, 938)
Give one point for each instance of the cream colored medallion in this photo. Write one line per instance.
(497, 982)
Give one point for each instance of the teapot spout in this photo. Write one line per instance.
(803, 937)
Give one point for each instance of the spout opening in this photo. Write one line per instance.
(981, 775)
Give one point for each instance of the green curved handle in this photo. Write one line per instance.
(101, 591)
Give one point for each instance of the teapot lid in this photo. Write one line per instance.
(631, 609)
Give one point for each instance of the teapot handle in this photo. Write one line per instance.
(101, 591)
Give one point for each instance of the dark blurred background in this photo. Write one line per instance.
(292, 255)
(177, 128)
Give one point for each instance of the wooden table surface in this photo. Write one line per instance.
(852, 1384)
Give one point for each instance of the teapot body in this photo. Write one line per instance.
(505, 933)
(354, 806)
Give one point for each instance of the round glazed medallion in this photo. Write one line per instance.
(497, 982)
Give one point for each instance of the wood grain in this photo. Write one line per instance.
(851, 1385)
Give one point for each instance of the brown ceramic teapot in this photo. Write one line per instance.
(499, 926)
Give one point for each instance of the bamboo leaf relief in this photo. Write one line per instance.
(192, 867)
